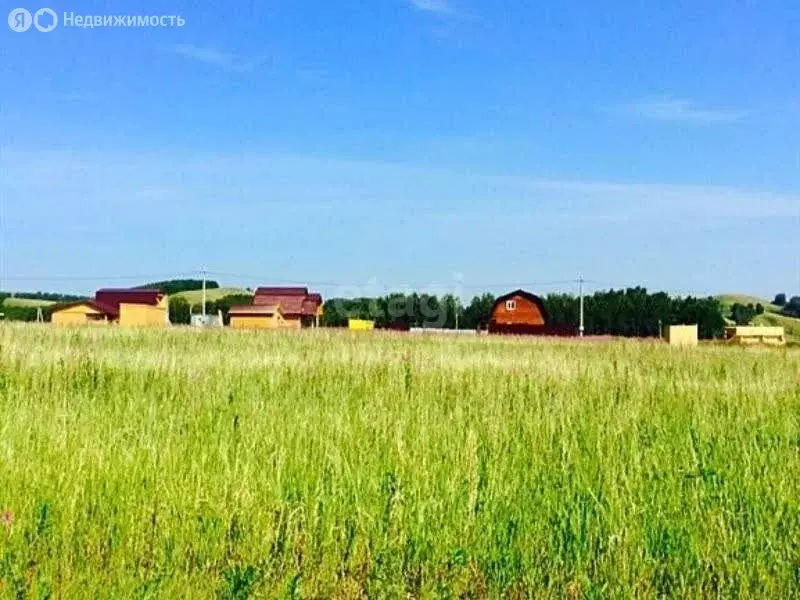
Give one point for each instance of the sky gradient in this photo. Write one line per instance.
(406, 144)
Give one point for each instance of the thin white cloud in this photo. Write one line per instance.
(241, 202)
(682, 110)
(354, 184)
(441, 7)
(214, 57)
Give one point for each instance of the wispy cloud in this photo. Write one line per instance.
(214, 57)
(442, 7)
(616, 230)
(681, 110)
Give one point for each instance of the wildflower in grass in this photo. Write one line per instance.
(7, 518)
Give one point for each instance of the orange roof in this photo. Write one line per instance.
(294, 302)
(254, 310)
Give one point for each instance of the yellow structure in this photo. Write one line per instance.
(291, 324)
(79, 313)
(681, 335)
(256, 317)
(360, 325)
(144, 315)
(129, 308)
(750, 335)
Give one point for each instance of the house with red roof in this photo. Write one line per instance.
(298, 307)
(137, 307)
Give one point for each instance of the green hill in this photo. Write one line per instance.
(728, 300)
(771, 316)
(790, 324)
(195, 297)
(27, 302)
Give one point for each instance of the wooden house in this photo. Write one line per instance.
(299, 307)
(520, 312)
(128, 307)
(256, 317)
(756, 334)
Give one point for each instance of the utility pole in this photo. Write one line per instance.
(204, 296)
(580, 291)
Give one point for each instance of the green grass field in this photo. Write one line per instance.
(26, 302)
(196, 296)
(202, 464)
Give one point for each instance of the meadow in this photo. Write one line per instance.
(222, 464)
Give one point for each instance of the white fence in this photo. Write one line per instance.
(442, 331)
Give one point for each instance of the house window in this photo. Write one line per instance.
(511, 305)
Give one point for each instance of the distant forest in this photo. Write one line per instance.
(632, 312)
(175, 286)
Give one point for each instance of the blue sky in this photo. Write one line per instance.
(444, 145)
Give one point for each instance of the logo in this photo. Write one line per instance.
(44, 19)
(20, 20)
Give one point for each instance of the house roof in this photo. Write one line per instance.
(528, 296)
(282, 291)
(101, 307)
(129, 296)
(109, 299)
(294, 302)
(254, 310)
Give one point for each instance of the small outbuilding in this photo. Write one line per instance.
(756, 334)
(256, 317)
(681, 335)
(84, 312)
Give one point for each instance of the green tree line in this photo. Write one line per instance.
(175, 286)
(47, 296)
(633, 312)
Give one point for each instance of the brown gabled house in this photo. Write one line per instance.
(522, 313)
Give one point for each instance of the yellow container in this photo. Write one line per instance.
(681, 335)
(360, 325)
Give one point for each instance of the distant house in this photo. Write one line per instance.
(128, 307)
(520, 312)
(756, 334)
(260, 316)
(299, 307)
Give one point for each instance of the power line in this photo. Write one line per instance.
(101, 278)
(152, 277)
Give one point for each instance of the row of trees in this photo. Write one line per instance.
(175, 286)
(743, 314)
(50, 297)
(632, 312)
(790, 307)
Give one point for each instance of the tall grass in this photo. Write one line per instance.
(240, 464)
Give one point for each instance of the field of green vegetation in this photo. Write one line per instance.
(26, 302)
(195, 297)
(187, 463)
